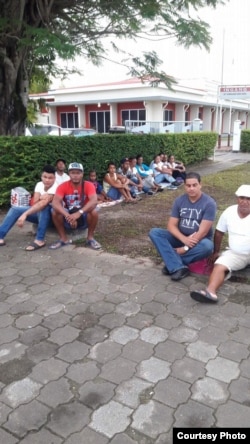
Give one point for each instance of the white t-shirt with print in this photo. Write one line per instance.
(238, 230)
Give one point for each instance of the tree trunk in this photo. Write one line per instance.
(13, 93)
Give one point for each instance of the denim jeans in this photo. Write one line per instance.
(113, 193)
(42, 218)
(161, 177)
(133, 190)
(165, 243)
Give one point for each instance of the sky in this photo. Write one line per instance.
(227, 62)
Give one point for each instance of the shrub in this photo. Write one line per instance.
(22, 158)
(245, 141)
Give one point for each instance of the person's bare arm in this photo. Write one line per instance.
(204, 228)
(173, 228)
(194, 238)
(38, 206)
(57, 205)
(114, 183)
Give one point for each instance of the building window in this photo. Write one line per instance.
(187, 117)
(133, 114)
(100, 121)
(69, 120)
(168, 116)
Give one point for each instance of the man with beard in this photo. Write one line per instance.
(74, 205)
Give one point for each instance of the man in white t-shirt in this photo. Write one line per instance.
(39, 213)
(61, 176)
(235, 221)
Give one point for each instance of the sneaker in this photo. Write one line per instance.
(172, 187)
(176, 184)
(150, 193)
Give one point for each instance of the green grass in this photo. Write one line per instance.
(124, 230)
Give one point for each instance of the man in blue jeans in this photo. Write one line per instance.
(39, 213)
(188, 237)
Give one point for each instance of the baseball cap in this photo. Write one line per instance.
(75, 166)
(125, 159)
(243, 190)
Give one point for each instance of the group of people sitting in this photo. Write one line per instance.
(62, 200)
(69, 202)
(66, 201)
(134, 177)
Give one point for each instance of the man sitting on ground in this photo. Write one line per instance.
(188, 237)
(61, 176)
(125, 174)
(74, 205)
(39, 213)
(235, 221)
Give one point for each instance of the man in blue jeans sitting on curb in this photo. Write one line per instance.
(39, 213)
(189, 233)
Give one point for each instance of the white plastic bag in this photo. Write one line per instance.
(20, 197)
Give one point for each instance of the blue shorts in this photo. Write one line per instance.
(82, 222)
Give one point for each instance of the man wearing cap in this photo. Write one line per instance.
(125, 171)
(74, 205)
(235, 221)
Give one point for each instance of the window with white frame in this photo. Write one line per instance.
(69, 120)
(168, 116)
(100, 121)
(133, 114)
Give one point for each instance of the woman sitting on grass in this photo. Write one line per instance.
(178, 168)
(115, 185)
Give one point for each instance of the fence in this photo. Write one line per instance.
(145, 127)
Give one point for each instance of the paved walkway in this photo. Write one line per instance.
(97, 348)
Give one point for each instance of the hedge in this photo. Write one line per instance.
(22, 158)
(245, 141)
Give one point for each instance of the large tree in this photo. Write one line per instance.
(34, 33)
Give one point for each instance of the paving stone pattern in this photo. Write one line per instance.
(101, 349)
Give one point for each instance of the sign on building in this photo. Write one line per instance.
(234, 92)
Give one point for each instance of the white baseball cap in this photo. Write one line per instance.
(75, 166)
(243, 190)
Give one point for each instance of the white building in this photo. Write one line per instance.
(113, 104)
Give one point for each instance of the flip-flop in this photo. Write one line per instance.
(59, 244)
(92, 243)
(34, 246)
(203, 296)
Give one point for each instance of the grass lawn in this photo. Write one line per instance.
(123, 229)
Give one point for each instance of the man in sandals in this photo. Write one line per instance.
(74, 205)
(39, 213)
(235, 221)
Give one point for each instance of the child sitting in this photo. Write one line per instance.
(101, 195)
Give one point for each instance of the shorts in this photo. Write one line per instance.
(82, 222)
(233, 261)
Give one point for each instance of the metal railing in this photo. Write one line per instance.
(154, 127)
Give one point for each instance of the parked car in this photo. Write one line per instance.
(63, 132)
(42, 129)
(81, 132)
(117, 130)
(74, 132)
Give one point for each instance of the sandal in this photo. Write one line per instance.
(92, 243)
(34, 246)
(203, 296)
(59, 244)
